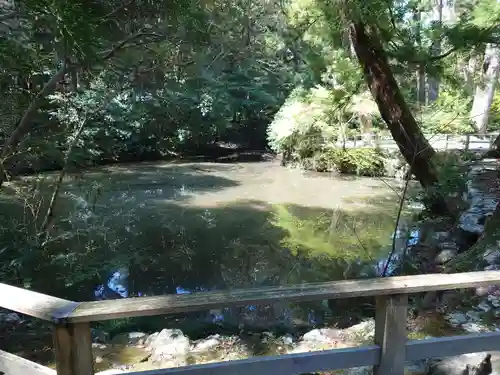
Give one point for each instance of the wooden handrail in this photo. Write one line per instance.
(11, 364)
(169, 304)
(35, 304)
(73, 344)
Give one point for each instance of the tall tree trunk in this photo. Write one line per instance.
(483, 96)
(469, 69)
(347, 43)
(415, 148)
(366, 129)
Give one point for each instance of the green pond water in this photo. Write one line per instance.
(195, 225)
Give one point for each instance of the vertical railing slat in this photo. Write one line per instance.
(390, 334)
(73, 349)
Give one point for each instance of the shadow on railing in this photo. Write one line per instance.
(73, 344)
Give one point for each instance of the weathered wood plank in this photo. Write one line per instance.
(34, 304)
(390, 334)
(73, 349)
(147, 306)
(11, 364)
(452, 345)
(288, 364)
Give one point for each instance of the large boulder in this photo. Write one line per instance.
(169, 347)
(467, 364)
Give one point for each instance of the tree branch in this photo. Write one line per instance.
(122, 44)
(24, 124)
(115, 11)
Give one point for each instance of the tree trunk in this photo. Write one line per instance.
(366, 130)
(404, 129)
(483, 96)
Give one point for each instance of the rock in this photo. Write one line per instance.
(473, 327)
(494, 300)
(456, 319)
(446, 255)
(323, 335)
(206, 344)
(467, 364)
(359, 371)
(111, 372)
(99, 336)
(473, 315)
(492, 267)
(469, 221)
(441, 236)
(309, 346)
(482, 291)
(485, 367)
(464, 239)
(131, 338)
(150, 339)
(287, 339)
(448, 246)
(452, 366)
(417, 367)
(10, 318)
(169, 347)
(484, 306)
(362, 332)
(492, 256)
(450, 298)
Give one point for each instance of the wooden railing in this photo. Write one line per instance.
(388, 355)
(441, 142)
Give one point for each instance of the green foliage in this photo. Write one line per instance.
(359, 161)
(305, 122)
(150, 79)
(451, 167)
(449, 114)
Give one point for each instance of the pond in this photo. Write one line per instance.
(182, 227)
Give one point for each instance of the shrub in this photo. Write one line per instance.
(305, 120)
(451, 167)
(360, 162)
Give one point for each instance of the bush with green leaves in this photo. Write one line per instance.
(304, 122)
(360, 161)
(449, 114)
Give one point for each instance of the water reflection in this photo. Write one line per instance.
(306, 242)
(167, 229)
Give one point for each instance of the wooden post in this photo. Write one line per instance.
(467, 142)
(390, 334)
(446, 138)
(73, 349)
